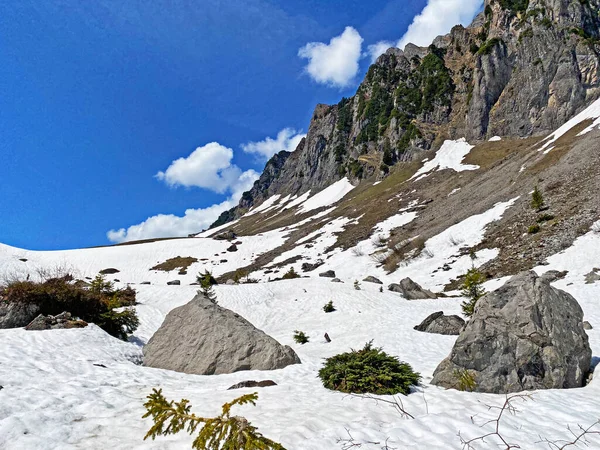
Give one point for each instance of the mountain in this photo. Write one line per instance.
(520, 69)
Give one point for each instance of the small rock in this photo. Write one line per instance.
(327, 338)
(587, 325)
(174, 283)
(60, 321)
(411, 290)
(309, 267)
(232, 248)
(145, 282)
(109, 271)
(230, 282)
(336, 280)
(438, 323)
(228, 235)
(592, 277)
(252, 383)
(327, 274)
(371, 279)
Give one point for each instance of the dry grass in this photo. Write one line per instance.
(178, 262)
(487, 154)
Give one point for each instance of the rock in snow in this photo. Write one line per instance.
(203, 338)
(371, 279)
(174, 283)
(252, 383)
(16, 315)
(411, 290)
(438, 323)
(61, 321)
(525, 335)
(327, 274)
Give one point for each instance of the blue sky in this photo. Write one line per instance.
(113, 112)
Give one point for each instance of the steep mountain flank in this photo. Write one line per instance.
(521, 68)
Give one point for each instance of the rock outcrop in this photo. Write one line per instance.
(438, 323)
(525, 335)
(371, 279)
(411, 290)
(16, 315)
(203, 338)
(61, 321)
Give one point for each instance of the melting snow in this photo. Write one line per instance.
(591, 112)
(327, 196)
(495, 139)
(449, 156)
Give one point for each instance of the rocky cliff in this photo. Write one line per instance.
(521, 68)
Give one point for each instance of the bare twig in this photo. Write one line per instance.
(509, 407)
(579, 437)
(396, 403)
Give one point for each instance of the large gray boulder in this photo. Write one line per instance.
(205, 339)
(525, 335)
(438, 323)
(17, 314)
(411, 290)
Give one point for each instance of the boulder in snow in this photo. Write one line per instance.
(205, 339)
(411, 290)
(336, 280)
(525, 335)
(232, 248)
(438, 323)
(593, 276)
(174, 283)
(309, 267)
(587, 325)
(327, 274)
(16, 315)
(371, 279)
(252, 383)
(63, 320)
(228, 235)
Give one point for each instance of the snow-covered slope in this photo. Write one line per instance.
(68, 389)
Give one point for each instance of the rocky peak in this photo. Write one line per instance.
(521, 68)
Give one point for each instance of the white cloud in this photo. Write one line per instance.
(287, 139)
(378, 49)
(437, 18)
(336, 63)
(207, 167)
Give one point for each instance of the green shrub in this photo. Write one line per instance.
(472, 289)
(533, 229)
(329, 307)
(488, 46)
(537, 199)
(545, 218)
(101, 303)
(465, 380)
(222, 432)
(290, 274)
(205, 280)
(300, 337)
(369, 370)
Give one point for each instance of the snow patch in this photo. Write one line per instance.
(449, 156)
(327, 196)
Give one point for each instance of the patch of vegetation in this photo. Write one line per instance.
(100, 303)
(533, 229)
(472, 288)
(545, 218)
(369, 370)
(300, 337)
(178, 262)
(537, 199)
(224, 432)
(344, 120)
(488, 46)
(290, 274)
(329, 307)
(514, 6)
(206, 281)
(465, 380)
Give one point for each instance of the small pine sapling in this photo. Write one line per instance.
(206, 288)
(329, 307)
(472, 289)
(290, 274)
(300, 337)
(224, 432)
(537, 199)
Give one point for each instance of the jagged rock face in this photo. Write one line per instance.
(205, 339)
(17, 314)
(511, 73)
(525, 335)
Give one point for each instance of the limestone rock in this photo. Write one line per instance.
(438, 323)
(174, 283)
(63, 320)
(252, 383)
(336, 280)
(327, 274)
(203, 338)
(411, 290)
(371, 279)
(525, 335)
(309, 267)
(16, 315)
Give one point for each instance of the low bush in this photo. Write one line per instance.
(533, 229)
(300, 337)
(369, 370)
(329, 307)
(100, 303)
(290, 274)
(545, 218)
